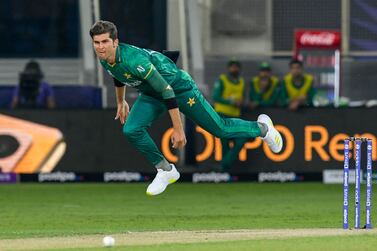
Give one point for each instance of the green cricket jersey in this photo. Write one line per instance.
(150, 72)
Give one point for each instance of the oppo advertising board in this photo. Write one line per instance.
(91, 141)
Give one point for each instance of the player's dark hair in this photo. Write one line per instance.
(234, 61)
(33, 68)
(102, 27)
(295, 61)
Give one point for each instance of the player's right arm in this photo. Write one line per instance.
(122, 106)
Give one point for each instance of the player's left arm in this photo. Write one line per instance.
(148, 72)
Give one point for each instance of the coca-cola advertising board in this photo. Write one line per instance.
(325, 39)
(319, 50)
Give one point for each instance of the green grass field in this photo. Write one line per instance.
(34, 211)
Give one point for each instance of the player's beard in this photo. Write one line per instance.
(110, 55)
(234, 74)
(101, 56)
(104, 56)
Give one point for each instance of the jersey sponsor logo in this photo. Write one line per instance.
(127, 75)
(140, 68)
(133, 83)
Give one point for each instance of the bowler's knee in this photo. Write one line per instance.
(132, 132)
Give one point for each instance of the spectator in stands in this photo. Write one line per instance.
(264, 88)
(228, 95)
(297, 87)
(32, 91)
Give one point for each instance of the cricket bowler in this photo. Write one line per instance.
(164, 87)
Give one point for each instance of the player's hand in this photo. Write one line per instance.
(178, 139)
(294, 105)
(122, 112)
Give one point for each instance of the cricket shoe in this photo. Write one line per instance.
(162, 180)
(273, 137)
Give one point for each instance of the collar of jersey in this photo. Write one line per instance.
(117, 57)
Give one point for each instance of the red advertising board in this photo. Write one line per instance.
(323, 39)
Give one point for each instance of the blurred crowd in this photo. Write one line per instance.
(232, 92)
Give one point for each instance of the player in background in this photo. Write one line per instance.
(228, 95)
(264, 88)
(297, 86)
(163, 87)
(33, 91)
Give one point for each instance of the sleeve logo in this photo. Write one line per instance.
(140, 69)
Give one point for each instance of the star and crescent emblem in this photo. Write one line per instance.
(191, 102)
(127, 75)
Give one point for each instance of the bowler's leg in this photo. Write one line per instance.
(146, 110)
(231, 156)
(202, 113)
(193, 104)
(143, 113)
